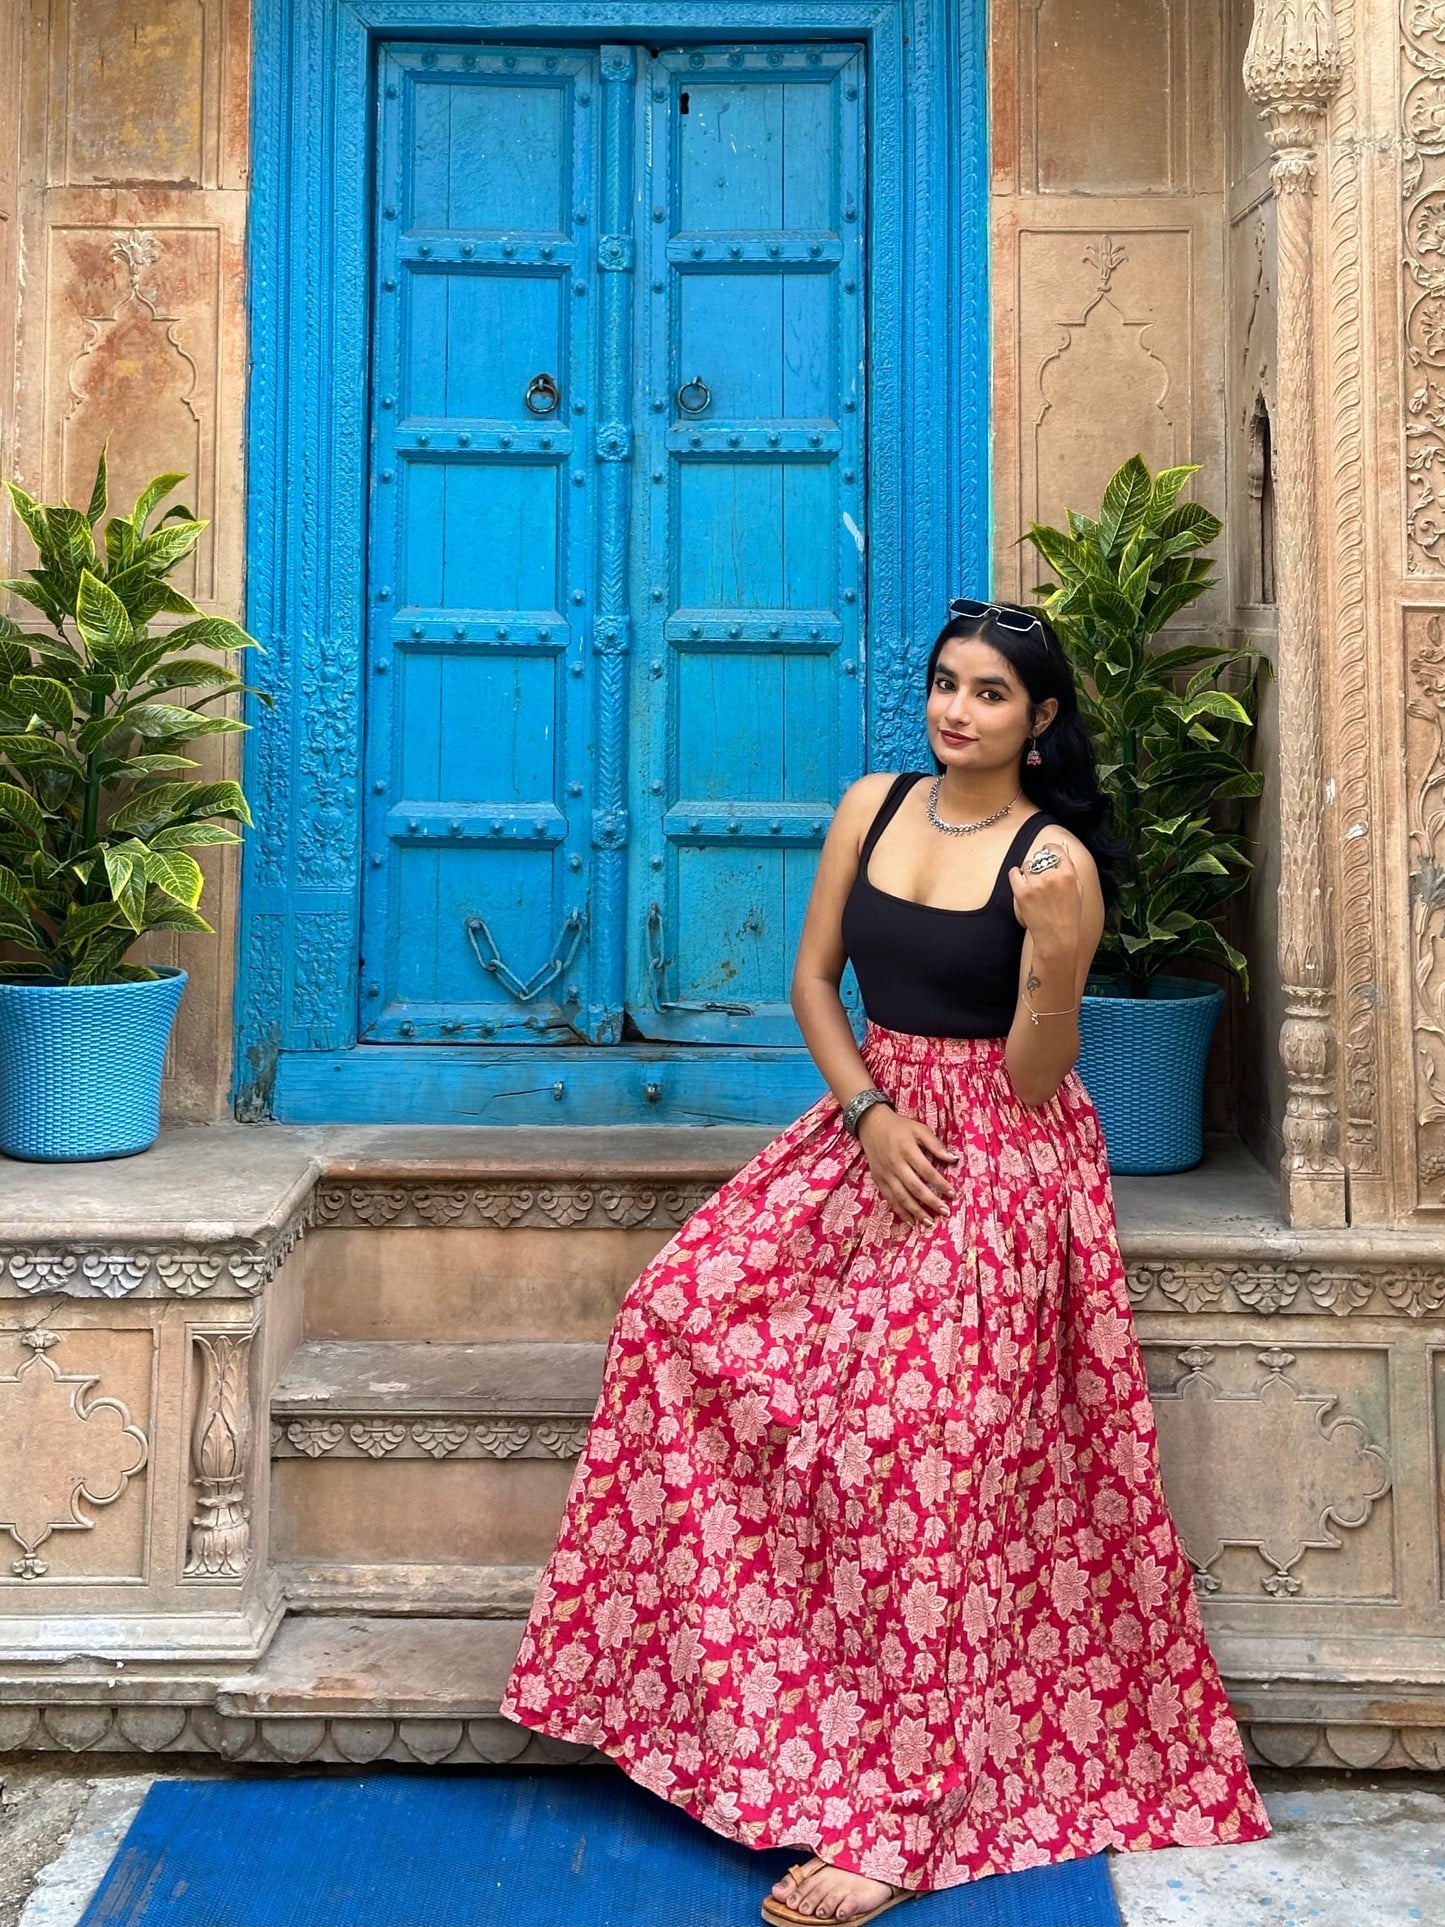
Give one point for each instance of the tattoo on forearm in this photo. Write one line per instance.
(1034, 982)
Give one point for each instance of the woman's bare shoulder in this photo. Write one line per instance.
(871, 788)
(861, 801)
(1079, 851)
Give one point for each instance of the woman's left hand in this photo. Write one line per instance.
(1049, 903)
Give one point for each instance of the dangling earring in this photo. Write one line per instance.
(1033, 759)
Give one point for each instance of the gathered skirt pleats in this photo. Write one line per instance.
(867, 1549)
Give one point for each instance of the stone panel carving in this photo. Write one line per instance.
(493, 1741)
(1099, 312)
(60, 1450)
(1425, 826)
(221, 1270)
(1252, 399)
(1422, 184)
(220, 1537)
(1352, 664)
(434, 1436)
(1302, 1472)
(503, 1204)
(134, 354)
(1437, 1392)
(144, 92)
(1267, 1286)
(131, 104)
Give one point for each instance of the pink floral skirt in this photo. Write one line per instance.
(867, 1551)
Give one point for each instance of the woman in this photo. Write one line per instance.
(867, 1550)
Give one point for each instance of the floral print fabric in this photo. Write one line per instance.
(867, 1550)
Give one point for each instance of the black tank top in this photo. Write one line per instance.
(938, 973)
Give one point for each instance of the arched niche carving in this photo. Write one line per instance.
(1259, 481)
(1102, 360)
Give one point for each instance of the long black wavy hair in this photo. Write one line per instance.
(1065, 783)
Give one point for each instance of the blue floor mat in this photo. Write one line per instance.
(554, 1848)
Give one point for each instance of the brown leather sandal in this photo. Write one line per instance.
(781, 1915)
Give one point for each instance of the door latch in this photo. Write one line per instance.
(563, 951)
(657, 963)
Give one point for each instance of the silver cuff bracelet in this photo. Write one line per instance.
(864, 1101)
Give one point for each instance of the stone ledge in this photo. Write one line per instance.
(419, 1591)
(121, 1228)
(1207, 1240)
(56, 1638)
(378, 1669)
(199, 1186)
(358, 1687)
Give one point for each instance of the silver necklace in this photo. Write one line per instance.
(963, 829)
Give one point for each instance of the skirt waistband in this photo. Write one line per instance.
(908, 1046)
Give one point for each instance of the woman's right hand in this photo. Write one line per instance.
(901, 1153)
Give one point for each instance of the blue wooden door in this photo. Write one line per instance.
(476, 920)
(617, 536)
(749, 691)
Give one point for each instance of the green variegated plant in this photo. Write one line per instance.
(1170, 739)
(97, 813)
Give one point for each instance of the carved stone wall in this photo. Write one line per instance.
(1136, 280)
(1415, 566)
(170, 1473)
(1253, 278)
(1251, 417)
(1106, 243)
(128, 190)
(134, 1480)
(1107, 255)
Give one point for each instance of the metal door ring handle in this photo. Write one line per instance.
(697, 386)
(542, 395)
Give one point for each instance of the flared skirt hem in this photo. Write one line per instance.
(1157, 1827)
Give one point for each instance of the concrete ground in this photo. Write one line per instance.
(1348, 1850)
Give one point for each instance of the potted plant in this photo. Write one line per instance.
(98, 816)
(1170, 742)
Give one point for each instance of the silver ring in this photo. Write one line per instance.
(1046, 859)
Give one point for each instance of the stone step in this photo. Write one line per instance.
(377, 1668)
(517, 1234)
(407, 1380)
(360, 1689)
(389, 1454)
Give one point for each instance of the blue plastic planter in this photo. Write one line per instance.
(80, 1066)
(1142, 1061)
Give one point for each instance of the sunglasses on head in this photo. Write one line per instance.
(1018, 620)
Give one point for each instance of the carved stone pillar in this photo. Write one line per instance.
(220, 1542)
(1292, 69)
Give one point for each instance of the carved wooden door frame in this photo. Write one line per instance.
(297, 1055)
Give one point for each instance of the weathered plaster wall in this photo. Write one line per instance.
(130, 204)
